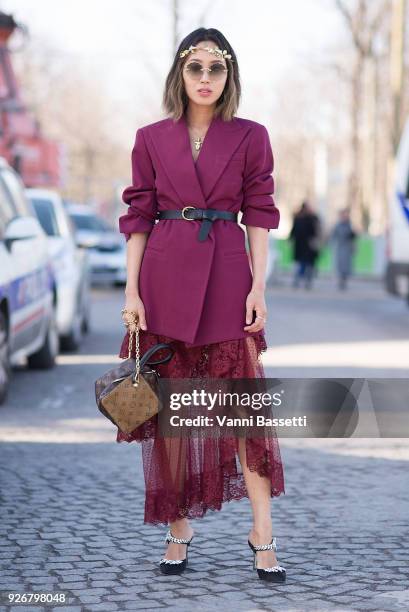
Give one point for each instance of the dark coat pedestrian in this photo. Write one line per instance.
(305, 235)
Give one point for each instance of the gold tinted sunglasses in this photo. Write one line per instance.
(195, 70)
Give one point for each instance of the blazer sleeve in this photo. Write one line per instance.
(141, 195)
(258, 184)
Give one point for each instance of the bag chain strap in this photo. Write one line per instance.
(133, 333)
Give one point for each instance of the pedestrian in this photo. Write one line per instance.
(189, 281)
(343, 238)
(305, 234)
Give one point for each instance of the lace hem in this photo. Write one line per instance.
(205, 492)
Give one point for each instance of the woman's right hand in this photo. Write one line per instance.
(135, 304)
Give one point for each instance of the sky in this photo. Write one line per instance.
(127, 44)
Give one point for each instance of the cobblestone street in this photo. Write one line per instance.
(72, 499)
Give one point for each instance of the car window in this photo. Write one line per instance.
(7, 210)
(46, 215)
(15, 187)
(89, 222)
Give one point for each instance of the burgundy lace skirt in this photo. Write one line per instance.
(186, 476)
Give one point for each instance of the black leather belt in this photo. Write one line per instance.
(206, 215)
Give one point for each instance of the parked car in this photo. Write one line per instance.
(106, 246)
(28, 322)
(397, 269)
(70, 264)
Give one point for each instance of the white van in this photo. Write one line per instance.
(397, 270)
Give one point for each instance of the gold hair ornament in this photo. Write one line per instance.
(214, 50)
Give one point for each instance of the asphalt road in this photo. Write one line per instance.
(72, 498)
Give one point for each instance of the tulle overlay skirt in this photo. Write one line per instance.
(186, 476)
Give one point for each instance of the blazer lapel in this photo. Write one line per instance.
(194, 182)
(221, 142)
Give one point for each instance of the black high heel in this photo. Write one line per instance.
(276, 573)
(171, 566)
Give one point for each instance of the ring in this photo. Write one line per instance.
(131, 312)
(131, 319)
(260, 317)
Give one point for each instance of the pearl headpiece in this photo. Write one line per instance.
(215, 50)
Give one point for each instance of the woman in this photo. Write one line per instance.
(190, 283)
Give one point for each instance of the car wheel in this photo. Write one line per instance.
(72, 341)
(5, 368)
(85, 325)
(45, 357)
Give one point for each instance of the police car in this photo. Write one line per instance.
(28, 325)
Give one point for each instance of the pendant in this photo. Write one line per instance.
(198, 143)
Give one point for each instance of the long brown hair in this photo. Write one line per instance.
(175, 99)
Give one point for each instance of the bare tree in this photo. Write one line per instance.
(398, 70)
(365, 21)
(74, 108)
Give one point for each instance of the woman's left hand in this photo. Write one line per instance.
(255, 301)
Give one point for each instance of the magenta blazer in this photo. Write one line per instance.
(196, 291)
